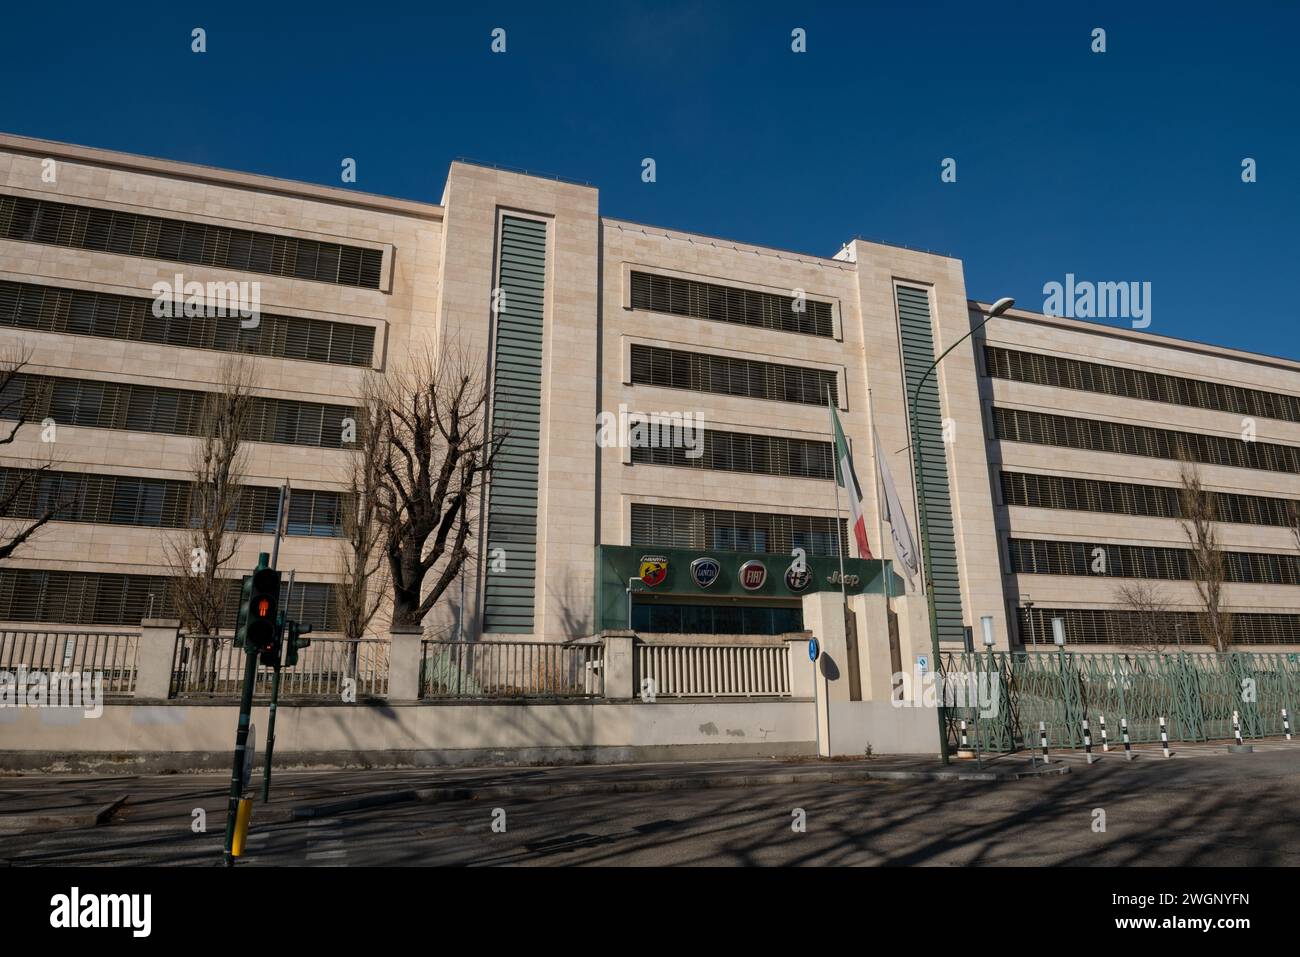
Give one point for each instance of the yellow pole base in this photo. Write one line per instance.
(241, 826)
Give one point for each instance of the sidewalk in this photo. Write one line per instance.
(35, 802)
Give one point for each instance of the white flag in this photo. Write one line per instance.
(904, 543)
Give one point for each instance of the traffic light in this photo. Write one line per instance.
(294, 631)
(261, 631)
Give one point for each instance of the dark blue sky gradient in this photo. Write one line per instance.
(1114, 167)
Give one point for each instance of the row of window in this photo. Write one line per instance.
(158, 503)
(131, 318)
(1099, 626)
(156, 237)
(716, 529)
(653, 618)
(746, 307)
(145, 408)
(1097, 435)
(677, 369)
(741, 452)
(95, 598)
(1125, 498)
(1040, 557)
(1138, 384)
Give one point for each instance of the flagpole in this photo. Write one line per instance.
(839, 472)
(880, 512)
(844, 594)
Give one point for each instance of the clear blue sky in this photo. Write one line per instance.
(1117, 166)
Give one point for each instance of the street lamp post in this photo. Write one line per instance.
(999, 307)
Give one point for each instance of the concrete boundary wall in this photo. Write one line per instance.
(191, 736)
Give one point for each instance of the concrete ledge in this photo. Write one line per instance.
(58, 820)
(168, 762)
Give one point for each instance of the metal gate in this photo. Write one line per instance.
(1196, 694)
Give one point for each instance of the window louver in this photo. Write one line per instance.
(678, 369)
(156, 237)
(710, 529)
(131, 318)
(1097, 377)
(1032, 490)
(746, 307)
(1097, 435)
(141, 408)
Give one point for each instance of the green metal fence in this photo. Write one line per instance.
(1195, 693)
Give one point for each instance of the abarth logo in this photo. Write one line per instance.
(753, 574)
(654, 569)
(705, 571)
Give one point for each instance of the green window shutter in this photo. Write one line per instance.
(509, 595)
(918, 352)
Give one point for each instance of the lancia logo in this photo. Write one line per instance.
(797, 578)
(705, 571)
(753, 574)
(654, 569)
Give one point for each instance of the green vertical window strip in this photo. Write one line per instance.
(917, 332)
(509, 595)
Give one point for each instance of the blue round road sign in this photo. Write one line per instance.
(814, 649)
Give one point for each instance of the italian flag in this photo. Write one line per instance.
(847, 479)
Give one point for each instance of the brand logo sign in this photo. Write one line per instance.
(851, 581)
(654, 569)
(797, 577)
(705, 571)
(753, 575)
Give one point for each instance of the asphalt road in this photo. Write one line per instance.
(1204, 807)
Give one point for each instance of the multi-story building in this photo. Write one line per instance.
(1051, 447)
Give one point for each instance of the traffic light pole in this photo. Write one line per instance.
(275, 700)
(241, 742)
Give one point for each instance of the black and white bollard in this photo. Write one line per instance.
(1105, 743)
(1241, 747)
(964, 745)
(1042, 741)
(1128, 745)
(1286, 724)
(1087, 741)
(1164, 737)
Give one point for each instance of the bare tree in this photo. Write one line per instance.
(27, 502)
(1208, 566)
(363, 569)
(1145, 614)
(437, 447)
(1293, 521)
(199, 556)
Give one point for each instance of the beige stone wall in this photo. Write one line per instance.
(402, 312)
(476, 197)
(1127, 348)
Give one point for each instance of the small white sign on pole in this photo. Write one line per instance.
(250, 756)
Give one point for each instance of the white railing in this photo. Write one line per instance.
(714, 671)
(511, 669)
(109, 654)
(214, 666)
